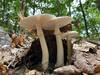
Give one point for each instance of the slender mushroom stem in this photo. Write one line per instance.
(45, 54)
(70, 50)
(69, 36)
(60, 53)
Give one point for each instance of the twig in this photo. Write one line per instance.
(98, 44)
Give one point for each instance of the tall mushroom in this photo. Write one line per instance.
(37, 23)
(55, 24)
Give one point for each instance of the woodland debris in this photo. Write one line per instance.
(67, 70)
(94, 42)
(17, 41)
(11, 55)
(4, 38)
(86, 56)
(85, 74)
(3, 69)
(97, 69)
(84, 46)
(33, 72)
(86, 59)
(93, 50)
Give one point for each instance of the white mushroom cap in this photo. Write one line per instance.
(71, 34)
(57, 22)
(31, 21)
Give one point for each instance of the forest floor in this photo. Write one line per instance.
(86, 58)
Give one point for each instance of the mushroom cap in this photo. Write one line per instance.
(71, 34)
(31, 21)
(57, 22)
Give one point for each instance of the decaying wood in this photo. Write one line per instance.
(85, 74)
(97, 69)
(33, 72)
(67, 70)
(94, 42)
(17, 41)
(10, 55)
(3, 69)
(84, 59)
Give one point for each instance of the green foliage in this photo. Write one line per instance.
(9, 10)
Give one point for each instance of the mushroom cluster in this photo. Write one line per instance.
(55, 24)
(50, 22)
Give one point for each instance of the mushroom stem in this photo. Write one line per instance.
(69, 51)
(69, 35)
(45, 54)
(60, 53)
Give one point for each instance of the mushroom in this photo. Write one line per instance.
(55, 24)
(69, 35)
(37, 23)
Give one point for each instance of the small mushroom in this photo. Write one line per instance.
(69, 35)
(37, 23)
(56, 24)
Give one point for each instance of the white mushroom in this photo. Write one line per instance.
(37, 22)
(55, 24)
(69, 35)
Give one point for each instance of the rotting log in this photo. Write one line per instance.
(86, 60)
(67, 70)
